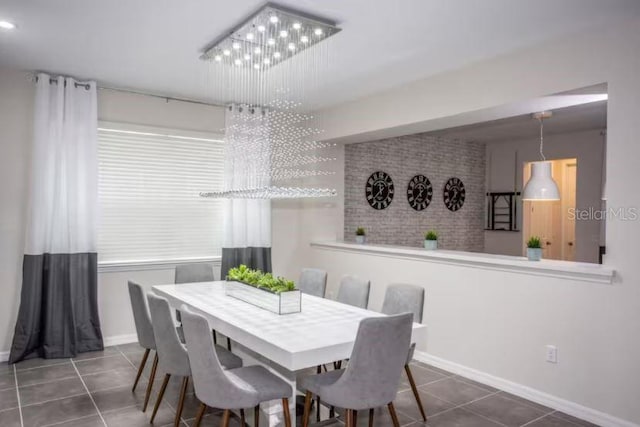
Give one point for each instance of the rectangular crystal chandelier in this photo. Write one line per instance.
(270, 36)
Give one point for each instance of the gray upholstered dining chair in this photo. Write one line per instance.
(172, 354)
(354, 291)
(371, 379)
(144, 330)
(193, 273)
(231, 389)
(401, 298)
(313, 281)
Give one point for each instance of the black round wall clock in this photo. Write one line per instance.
(453, 194)
(379, 190)
(419, 192)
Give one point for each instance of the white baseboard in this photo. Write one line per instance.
(554, 402)
(108, 342)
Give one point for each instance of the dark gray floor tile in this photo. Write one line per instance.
(215, 419)
(10, 418)
(455, 391)
(130, 348)
(431, 368)
(111, 379)
(58, 411)
(117, 398)
(108, 351)
(39, 393)
(422, 376)
(381, 418)
(90, 421)
(526, 402)
(477, 384)
(8, 399)
(553, 421)
(405, 402)
(46, 374)
(132, 416)
(93, 366)
(505, 411)
(7, 380)
(38, 363)
(574, 420)
(459, 418)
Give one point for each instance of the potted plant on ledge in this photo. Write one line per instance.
(534, 249)
(360, 235)
(431, 240)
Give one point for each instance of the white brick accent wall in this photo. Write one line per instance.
(402, 158)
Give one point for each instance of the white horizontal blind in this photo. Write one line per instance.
(148, 189)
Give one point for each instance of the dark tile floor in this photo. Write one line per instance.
(94, 389)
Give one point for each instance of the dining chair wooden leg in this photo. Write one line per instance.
(318, 402)
(307, 409)
(348, 418)
(152, 378)
(228, 343)
(160, 396)
(371, 412)
(407, 369)
(225, 418)
(183, 393)
(242, 419)
(201, 411)
(285, 410)
(256, 416)
(143, 362)
(394, 416)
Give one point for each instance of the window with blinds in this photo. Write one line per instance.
(148, 189)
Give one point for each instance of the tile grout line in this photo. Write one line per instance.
(15, 378)
(536, 419)
(182, 420)
(89, 393)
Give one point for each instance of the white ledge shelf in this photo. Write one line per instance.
(551, 268)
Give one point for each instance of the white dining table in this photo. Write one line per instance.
(288, 345)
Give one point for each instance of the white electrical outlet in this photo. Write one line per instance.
(552, 354)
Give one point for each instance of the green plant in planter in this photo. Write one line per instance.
(431, 235)
(360, 231)
(260, 280)
(534, 243)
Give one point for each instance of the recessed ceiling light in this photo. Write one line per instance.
(250, 36)
(226, 52)
(261, 28)
(6, 25)
(318, 31)
(273, 19)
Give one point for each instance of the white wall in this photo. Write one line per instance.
(587, 147)
(500, 323)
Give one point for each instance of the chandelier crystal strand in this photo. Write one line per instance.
(267, 71)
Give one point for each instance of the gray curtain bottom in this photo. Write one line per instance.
(257, 258)
(58, 315)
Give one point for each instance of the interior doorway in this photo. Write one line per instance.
(551, 220)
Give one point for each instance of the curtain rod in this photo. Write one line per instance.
(34, 78)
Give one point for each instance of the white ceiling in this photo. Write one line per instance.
(154, 45)
(569, 119)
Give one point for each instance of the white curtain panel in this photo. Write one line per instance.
(58, 316)
(247, 222)
(62, 210)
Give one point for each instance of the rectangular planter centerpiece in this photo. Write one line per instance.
(283, 303)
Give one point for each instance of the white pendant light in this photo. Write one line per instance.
(541, 186)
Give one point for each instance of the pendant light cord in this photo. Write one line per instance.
(544, 159)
